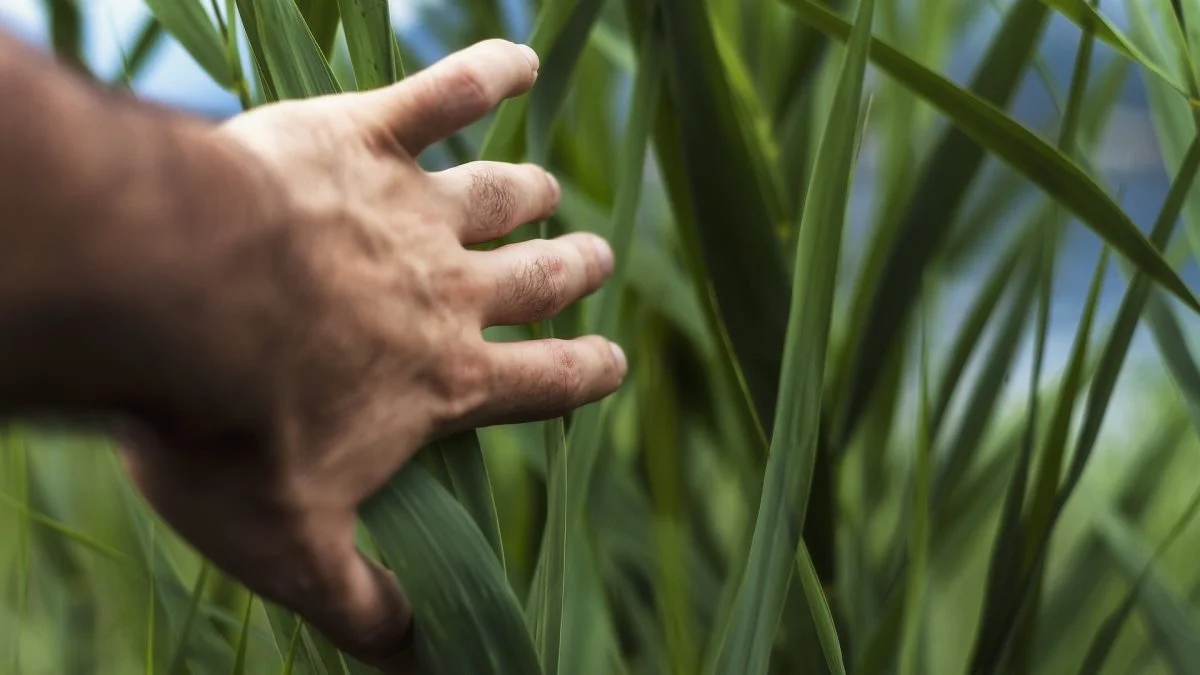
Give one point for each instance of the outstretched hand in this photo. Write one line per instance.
(339, 329)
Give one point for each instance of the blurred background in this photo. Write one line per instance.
(675, 491)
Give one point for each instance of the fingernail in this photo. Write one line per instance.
(534, 62)
(604, 254)
(619, 356)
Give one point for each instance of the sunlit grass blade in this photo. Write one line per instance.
(547, 621)
(466, 617)
(1060, 177)
(881, 312)
(370, 41)
(191, 25)
(297, 67)
(293, 648)
(822, 616)
(745, 644)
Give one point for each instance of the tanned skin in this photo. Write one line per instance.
(273, 314)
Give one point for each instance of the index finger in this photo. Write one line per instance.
(454, 92)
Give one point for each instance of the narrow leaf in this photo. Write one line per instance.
(370, 41)
(191, 25)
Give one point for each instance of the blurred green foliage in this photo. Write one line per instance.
(831, 454)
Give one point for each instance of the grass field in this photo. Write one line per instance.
(862, 433)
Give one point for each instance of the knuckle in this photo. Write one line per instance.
(466, 84)
(464, 379)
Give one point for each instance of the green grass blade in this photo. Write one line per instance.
(467, 619)
(239, 659)
(547, 619)
(818, 604)
(322, 17)
(746, 645)
(296, 65)
(145, 44)
(739, 253)
(249, 15)
(20, 472)
(66, 32)
(1088, 17)
(919, 531)
(463, 460)
(150, 605)
(1059, 176)
(1168, 617)
(191, 25)
(937, 194)
(1106, 636)
(175, 664)
(371, 42)
(293, 648)
(554, 80)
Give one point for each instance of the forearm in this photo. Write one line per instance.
(106, 204)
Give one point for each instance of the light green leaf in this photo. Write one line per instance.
(296, 65)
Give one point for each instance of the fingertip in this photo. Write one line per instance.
(619, 359)
(532, 57)
(604, 255)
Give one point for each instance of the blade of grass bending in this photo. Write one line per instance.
(322, 18)
(1106, 636)
(153, 600)
(284, 627)
(1168, 616)
(466, 618)
(1086, 16)
(191, 26)
(550, 93)
(1059, 176)
(293, 58)
(818, 604)
(1112, 358)
(370, 40)
(882, 312)
(747, 640)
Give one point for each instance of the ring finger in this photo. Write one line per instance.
(534, 280)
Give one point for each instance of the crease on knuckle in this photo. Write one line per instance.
(464, 381)
(466, 86)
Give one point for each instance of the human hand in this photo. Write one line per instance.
(321, 342)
